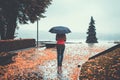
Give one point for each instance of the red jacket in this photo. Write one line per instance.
(60, 38)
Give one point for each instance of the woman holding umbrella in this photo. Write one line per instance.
(61, 39)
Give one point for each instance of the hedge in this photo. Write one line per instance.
(10, 45)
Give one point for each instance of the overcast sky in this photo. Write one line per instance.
(76, 15)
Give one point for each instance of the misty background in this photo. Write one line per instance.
(73, 36)
(76, 14)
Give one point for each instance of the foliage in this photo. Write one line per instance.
(105, 67)
(26, 65)
(22, 11)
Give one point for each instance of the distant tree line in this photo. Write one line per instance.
(13, 12)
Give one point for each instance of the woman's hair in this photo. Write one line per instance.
(60, 36)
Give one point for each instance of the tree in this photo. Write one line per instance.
(91, 38)
(2, 30)
(22, 11)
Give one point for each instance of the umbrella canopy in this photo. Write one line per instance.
(60, 30)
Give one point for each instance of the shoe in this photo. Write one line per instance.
(59, 70)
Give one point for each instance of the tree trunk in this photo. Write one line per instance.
(2, 34)
(10, 14)
(2, 30)
(11, 28)
(11, 23)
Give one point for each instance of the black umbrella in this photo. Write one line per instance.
(60, 30)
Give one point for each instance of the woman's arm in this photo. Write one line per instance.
(56, 37)
(64, 37)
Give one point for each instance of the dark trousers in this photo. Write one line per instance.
(60, 54)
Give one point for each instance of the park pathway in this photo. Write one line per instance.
(74, 55)
(41, 63)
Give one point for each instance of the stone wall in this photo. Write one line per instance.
(10, 45)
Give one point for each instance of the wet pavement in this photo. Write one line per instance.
(41, 63)
(74, 55)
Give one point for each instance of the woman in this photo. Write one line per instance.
(60, 38)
